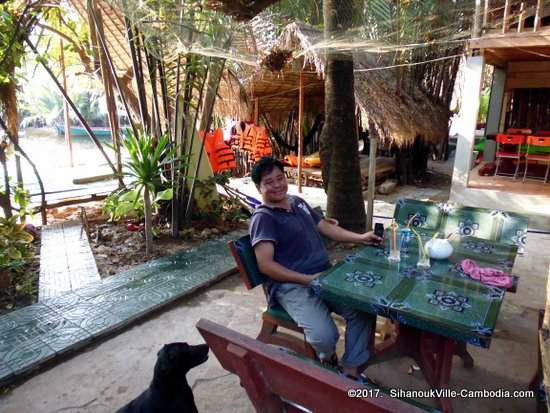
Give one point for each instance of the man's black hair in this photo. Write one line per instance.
(264, 166)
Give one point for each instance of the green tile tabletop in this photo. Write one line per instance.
(490, 224)
(462, 311)
(441, 299)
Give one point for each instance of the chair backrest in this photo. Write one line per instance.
(506, 139)
(538, 141)
(276, 381)
(519, 131)
(244, 255)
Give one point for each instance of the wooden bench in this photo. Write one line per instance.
(277, 381)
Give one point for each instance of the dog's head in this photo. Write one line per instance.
(176, 359)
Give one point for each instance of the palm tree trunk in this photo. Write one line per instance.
(339, 150)
(8, 97)
(5, 202)
(148, 221)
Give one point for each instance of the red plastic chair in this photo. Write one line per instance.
(543, 133)
(509, 147)
(538, 141)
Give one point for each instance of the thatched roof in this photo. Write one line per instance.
(240, 9)
(397, 118)
(231, 101)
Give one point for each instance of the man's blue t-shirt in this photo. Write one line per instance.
(298, 243)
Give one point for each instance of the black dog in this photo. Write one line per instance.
(169, 391)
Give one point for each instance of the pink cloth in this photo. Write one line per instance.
(488, 276)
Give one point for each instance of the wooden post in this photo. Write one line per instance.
(477, 12)
(67, 121)
(506, 17)
(300, 133)
(373, 140)
(536, 25)
(485, 15)
(521, 21)
(256, 111)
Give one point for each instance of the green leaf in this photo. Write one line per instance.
(165, 195)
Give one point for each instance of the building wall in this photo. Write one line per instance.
(536, 206)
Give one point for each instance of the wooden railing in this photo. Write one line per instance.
(511, 16)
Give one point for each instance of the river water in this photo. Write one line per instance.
(50, 154)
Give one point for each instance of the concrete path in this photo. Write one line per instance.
(45, 332)
(66, 260)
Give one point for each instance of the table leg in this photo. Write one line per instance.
(432, 352)
(462, 352)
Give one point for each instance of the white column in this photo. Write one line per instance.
(467, 118)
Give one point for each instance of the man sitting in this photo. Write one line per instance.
(286, 235)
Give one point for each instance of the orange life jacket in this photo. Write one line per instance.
(262, 144)
(220, 155)
(246, 141)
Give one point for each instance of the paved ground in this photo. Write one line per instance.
(66, 260)
(45, 331)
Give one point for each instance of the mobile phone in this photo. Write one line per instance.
(379, 229)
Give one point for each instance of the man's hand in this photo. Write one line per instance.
(369, 238)
(315, 276)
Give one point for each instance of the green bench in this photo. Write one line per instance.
(278, 381)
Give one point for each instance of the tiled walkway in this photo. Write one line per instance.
(66, 260)
(34, 335)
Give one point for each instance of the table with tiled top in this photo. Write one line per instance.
(436, 308)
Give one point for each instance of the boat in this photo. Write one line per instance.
(80, 132)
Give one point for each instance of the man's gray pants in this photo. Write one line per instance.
(312, 313)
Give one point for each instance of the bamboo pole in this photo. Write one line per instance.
(213, 82)
(151, 67)
(485, 15)
(536, 25)
(164, 91)
(178, 125)
(372, 180)
(72, 105)
(106, 77)
(68, 138)
(521, 21)
(256, 111)
(101, 39)
(138, 75)
(477, 12)
(300, 129)
(505, 22)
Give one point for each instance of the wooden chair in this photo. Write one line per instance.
(276, 381)
(273, 317)
(537, 142)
